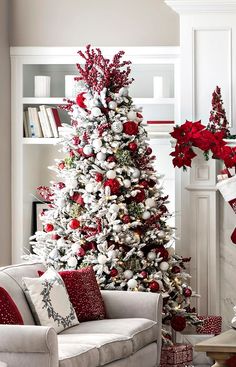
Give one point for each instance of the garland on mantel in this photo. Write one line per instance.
(211, 138)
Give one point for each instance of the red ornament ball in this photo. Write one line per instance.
(61, 165)
(114, 185)
(55, 237)
(187, 292)
(98, 177)
(126, 219)
(76, 140)
(111, 158)
(80, 151)
(74, 223)
(132, 146)
(113, 272)
(149, 151)
(144, 184)
(77, 198)
(178, 323)
(81, 252)
(80, 100)
(154, 286)
(144, 274)
(176, 269)
(48, 227)
(130, 128)
(140, 196)
(162, 251)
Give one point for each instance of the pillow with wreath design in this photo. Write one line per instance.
(49, 301)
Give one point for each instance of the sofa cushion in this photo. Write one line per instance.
(9, 313)
(77, 355)
(141, 331)
(84, 293)
(49, 301)
(11, 280)
(110, 346)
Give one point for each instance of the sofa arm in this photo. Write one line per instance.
(125, 304)
(28, 345)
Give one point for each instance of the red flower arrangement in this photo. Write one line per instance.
(207, 138)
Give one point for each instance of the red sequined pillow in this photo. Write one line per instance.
(9, 313)
(84, 293)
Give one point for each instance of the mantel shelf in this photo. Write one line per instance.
(202, 6)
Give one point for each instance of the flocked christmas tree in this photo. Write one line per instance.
(218, 120)
(107, 209)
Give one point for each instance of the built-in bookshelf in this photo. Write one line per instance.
(31, 156)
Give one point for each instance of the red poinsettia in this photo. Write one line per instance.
(189, 130)
(183, 156)
(228, 155)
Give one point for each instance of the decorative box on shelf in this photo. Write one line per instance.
(177, 355)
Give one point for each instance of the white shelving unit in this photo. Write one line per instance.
(32, 156)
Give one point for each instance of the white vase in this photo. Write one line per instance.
(42, 86)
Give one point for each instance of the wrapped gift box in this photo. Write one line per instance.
(177, 355)
(199, 359)
(211, 325)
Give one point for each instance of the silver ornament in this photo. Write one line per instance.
(128, 274)
(151, 256)
(87, 149)
(111, 174)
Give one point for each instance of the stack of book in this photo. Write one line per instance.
(42, 123)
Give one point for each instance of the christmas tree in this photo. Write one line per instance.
(218, 121)
(107, 209)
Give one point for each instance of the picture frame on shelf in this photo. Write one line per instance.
(38, 207)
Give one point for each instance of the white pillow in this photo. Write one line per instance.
(49, 301)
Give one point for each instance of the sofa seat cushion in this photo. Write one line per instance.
(77, 355)
(110, 346)
(141, 331)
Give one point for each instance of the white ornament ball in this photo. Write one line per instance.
(71, 183)
(87, 149)
(102, 259)
(123, 92)
(132, 115)
(161, 234)
(146, 215)
(72, 262)
(164, 266)
(95, 111)
(135, 173)
(132, 283)
(117, 127)
(101, 156)
(128, 274)
(111, 174)
(89, 187)
(151, 256)
(114, 208)
(97, 143)
(117, 227)
(112, 105)
(127, 183)
(150, 203)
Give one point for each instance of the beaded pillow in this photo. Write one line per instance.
(9, 313)
(49, 301)
(84, 293)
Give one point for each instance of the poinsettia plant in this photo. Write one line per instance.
(210, 138)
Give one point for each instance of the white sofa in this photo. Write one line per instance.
(129, 336)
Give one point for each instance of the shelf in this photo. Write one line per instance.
(59, 100)
(52, 141)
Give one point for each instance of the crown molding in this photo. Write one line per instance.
(202, 6)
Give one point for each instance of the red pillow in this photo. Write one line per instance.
(84, 293)
(9, 313)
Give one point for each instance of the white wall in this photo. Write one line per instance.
(103, 23)
(5, 147)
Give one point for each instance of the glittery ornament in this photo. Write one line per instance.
(72, 262)
(151, 256)
(98, 177)
(135, 173)
(117, 127)
(178, 323)
(87, 149)
(146, 215)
